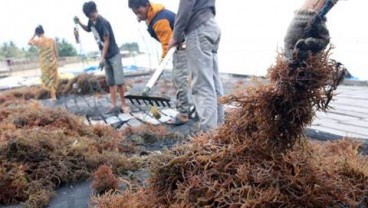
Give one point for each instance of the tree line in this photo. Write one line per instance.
(11, 50)
(65, 49)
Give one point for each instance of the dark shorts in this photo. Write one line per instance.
(114, 71)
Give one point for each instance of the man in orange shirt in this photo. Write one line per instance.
(160, 23)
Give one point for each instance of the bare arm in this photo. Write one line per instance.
(106, 46)
(85, 27)
(32, 41)
(163, 32)
(334, 1)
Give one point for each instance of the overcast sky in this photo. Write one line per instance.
(252, 30)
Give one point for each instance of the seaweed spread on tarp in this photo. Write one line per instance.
(260, 157)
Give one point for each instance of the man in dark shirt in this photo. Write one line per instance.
(110, 53)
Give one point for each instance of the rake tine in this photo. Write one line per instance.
(150, 101)
(139, 103)
(88, 119)
(145, 102)
(157, 103)
(102, 116)
(121, 123)
(131, 100)
(76, 102)
(65, 103)
(85, 100)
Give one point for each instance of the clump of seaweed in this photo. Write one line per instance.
(122, 199)
(84, 84)
(275, 113)
(260, 156)
(28, 93)
(150, 134)
(104, 180)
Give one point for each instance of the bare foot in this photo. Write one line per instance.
(180, 119)
(125, 109)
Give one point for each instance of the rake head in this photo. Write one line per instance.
(149, 100)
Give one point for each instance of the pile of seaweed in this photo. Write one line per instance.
(152, 134)
(42, 149)
(260, 156)
(84, 84)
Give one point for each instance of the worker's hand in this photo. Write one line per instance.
(301, 50)
(301, 45)
(76, 20)
(181, 46)
(316, 44)
(172, 43)
(102, 63)
(310, 45)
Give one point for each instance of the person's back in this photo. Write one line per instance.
(195, 12)
(160, 25)
(48, 59)
(159, 20)
(46, 48)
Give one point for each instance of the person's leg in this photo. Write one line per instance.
(49, 79)
(200, 47)
(180, 80)
(109, 74)
(218, 85)
(53, 93)
(124, 107)
(118, 76)
(55, 82)
(113, 96)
